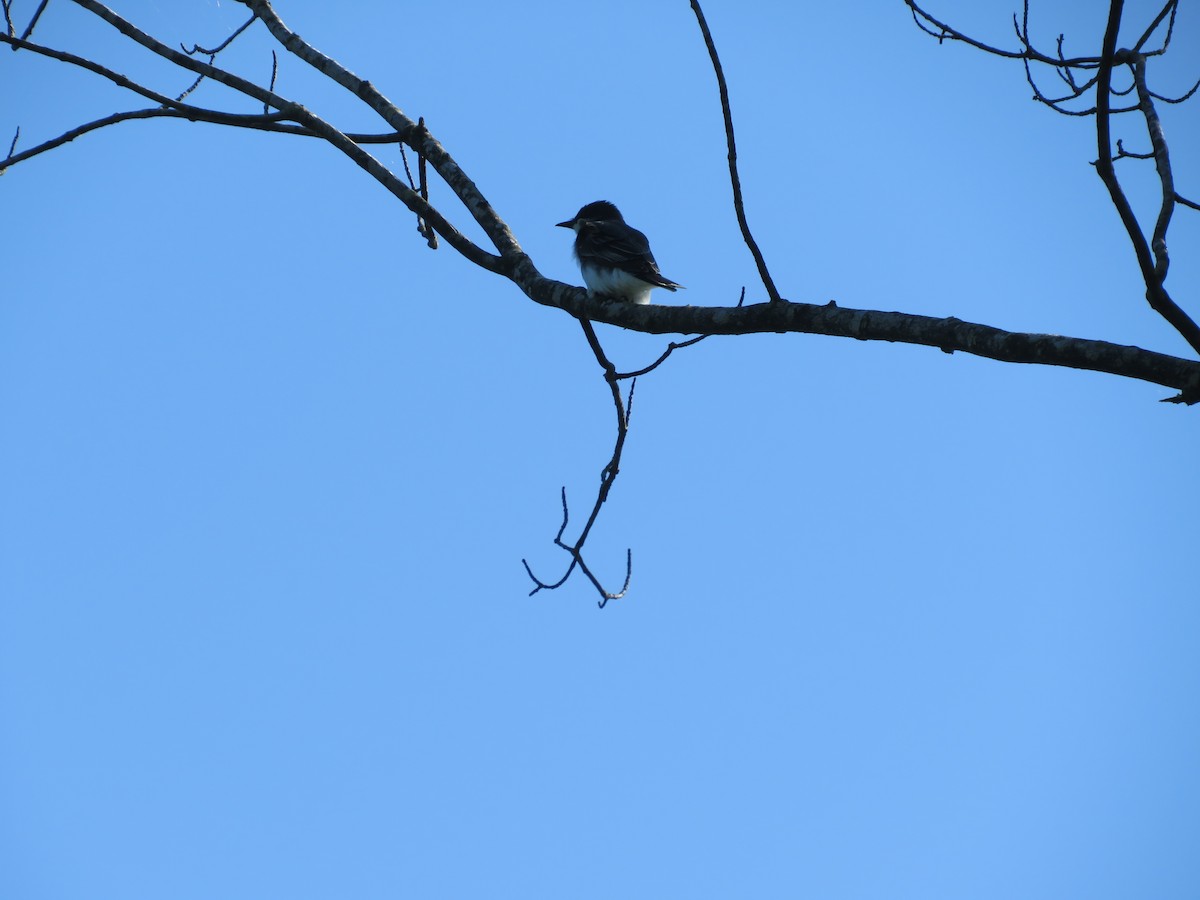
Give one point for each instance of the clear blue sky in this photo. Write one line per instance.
(901, 625)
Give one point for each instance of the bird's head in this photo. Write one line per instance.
(598, 211)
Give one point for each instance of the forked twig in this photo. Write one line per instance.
(608, 475)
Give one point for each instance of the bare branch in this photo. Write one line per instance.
(738, 205)
(33, 22)
(195, 84)
(1153, 264)
(945, 32)
(1169, 8)
(1184, 97)
(1186, 202)
(274, 73)
(196, 48)
(671, 348)
(262, 123)
(608, 475)
(416, 137)
(429, 234)
(1162, 163)
(948, 334)
(1122, 153)
(70, 58)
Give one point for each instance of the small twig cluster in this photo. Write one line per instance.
(1092, 76)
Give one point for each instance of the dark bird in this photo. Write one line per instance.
(614, 258)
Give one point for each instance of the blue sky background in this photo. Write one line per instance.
(902, 624)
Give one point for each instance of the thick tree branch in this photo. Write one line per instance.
(417, 137)
(1152, 257)
(949, 334)
(1152, 275)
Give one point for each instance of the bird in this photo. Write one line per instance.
(615, 258)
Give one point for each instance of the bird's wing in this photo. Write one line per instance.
(616, 244)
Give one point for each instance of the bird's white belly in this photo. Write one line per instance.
(616, 283)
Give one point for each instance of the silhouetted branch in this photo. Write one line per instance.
(1186, 202)
(1169, 9)
(738, 204)
(1162, 163)
(196, 48)
(945, 32)
(608, 475)
(1153, 263)
(671, 348)
(37, 14)
(948, 334)
(1122, 153)
(1151, 253)
(1182, 98)
(274, 73)
(261, 123)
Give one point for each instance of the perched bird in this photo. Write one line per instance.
(614, 258)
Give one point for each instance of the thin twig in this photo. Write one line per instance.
(33, 22)
(195, 84)
(190, 114)
(423, 175)
(1162, 164)
(738, 204)
(671, 348)
(1180, 99)
(196, 48)
(1186, 202)
(1122, 153)
(1027, 52)
(608, 476)
(1162, 14)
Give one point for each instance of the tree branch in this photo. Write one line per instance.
(738, 204)
(608, 475)
(949, 334)
(1151, 254)
(1156, 294)
(291, 110)
(417, 137)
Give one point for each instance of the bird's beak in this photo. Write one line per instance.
(570, 223)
